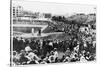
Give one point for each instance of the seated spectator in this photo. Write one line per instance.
(27, 48)
(32, 57)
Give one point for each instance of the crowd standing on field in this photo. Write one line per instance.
(81, 47)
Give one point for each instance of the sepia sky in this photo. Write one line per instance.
(55, 8)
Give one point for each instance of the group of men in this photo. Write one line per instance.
(81, 47)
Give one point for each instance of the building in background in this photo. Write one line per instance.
(17, 11)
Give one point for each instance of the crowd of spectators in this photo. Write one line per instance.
(81, 47)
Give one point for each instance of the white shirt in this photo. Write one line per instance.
(51, 44)
(27, 48)
(31, 56)
(82, 59)
(51, 58)
(55, 54)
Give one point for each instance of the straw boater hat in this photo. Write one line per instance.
(55, 49)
